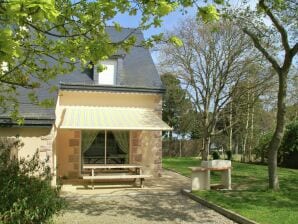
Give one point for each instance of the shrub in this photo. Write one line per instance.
(289, 145)
(215, 155)
(290, 139)
(229, 154)
(25, 192)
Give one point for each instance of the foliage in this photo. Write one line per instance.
(249, 195)
(290, 139)
(278, 43)
(261, 150)
(176, 106)
(213, 59)
(25, 192)
(215, 155)
(43, 39)
(289, 143)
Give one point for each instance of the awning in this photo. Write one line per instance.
(111, 118)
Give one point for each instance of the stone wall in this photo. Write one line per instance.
(146, 150)
(68, 153)
(46, 149)
(146, 146)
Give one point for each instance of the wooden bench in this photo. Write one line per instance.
(111, 172)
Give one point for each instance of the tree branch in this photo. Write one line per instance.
(277, 24)
(294, 50)
(258, 45)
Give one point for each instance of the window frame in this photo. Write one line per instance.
(115, 63)
(105, 147)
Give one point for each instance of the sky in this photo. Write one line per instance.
(169, 21)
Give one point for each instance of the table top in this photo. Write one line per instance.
(209, 168)
(110, 166)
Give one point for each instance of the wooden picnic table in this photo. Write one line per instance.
(114, 172)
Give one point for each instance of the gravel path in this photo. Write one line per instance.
(155, 208)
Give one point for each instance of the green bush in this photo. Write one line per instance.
(290, 139)
(215, 155)
(289, 143)
(289, 146)
(26, 195)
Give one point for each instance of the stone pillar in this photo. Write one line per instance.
(74, 154)
(68, 151)
(146, 150)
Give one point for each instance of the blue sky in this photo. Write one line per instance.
(169, 21)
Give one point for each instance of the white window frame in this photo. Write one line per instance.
(103, 78)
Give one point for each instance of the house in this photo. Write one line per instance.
(111, 117)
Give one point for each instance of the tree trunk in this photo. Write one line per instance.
(244, 153)
(279, 131)
(206, 135)
(231, 128)
(205, 148)
(251, 134)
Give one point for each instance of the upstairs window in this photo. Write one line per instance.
(108, 76)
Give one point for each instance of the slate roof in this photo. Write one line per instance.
(138, 74)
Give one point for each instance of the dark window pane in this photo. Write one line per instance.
(93, 147)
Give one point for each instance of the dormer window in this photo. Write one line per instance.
(108, 76)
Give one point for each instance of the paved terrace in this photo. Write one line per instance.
(159, 202)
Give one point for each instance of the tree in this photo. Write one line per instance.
(42, 39)
(280, 35)
(176, 106)
(46, 38)
(214, 57)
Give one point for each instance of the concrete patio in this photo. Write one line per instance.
(169, 183)
(159, 202)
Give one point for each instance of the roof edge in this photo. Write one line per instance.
(28, 122)
(77, 86)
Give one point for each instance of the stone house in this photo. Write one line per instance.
(111, 117)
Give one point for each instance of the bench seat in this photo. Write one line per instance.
(116, 176)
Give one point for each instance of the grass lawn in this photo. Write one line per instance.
(250, 196)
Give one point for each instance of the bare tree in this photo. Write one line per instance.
(213, 59)
(280, 35)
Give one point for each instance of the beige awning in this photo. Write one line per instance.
(111, 118)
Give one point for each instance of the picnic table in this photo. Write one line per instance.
(114, 172)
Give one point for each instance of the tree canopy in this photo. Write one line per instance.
(67, 32)
(278, 43)
(177, 108)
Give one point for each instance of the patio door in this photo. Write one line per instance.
(105, 147)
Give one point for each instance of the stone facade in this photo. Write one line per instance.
(146, 150)
(46, 149)
(68, 153)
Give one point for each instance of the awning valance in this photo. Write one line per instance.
(111, 118)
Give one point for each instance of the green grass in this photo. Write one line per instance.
(250, 196)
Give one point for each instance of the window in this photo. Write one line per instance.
(108, 76)
(105, 147)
